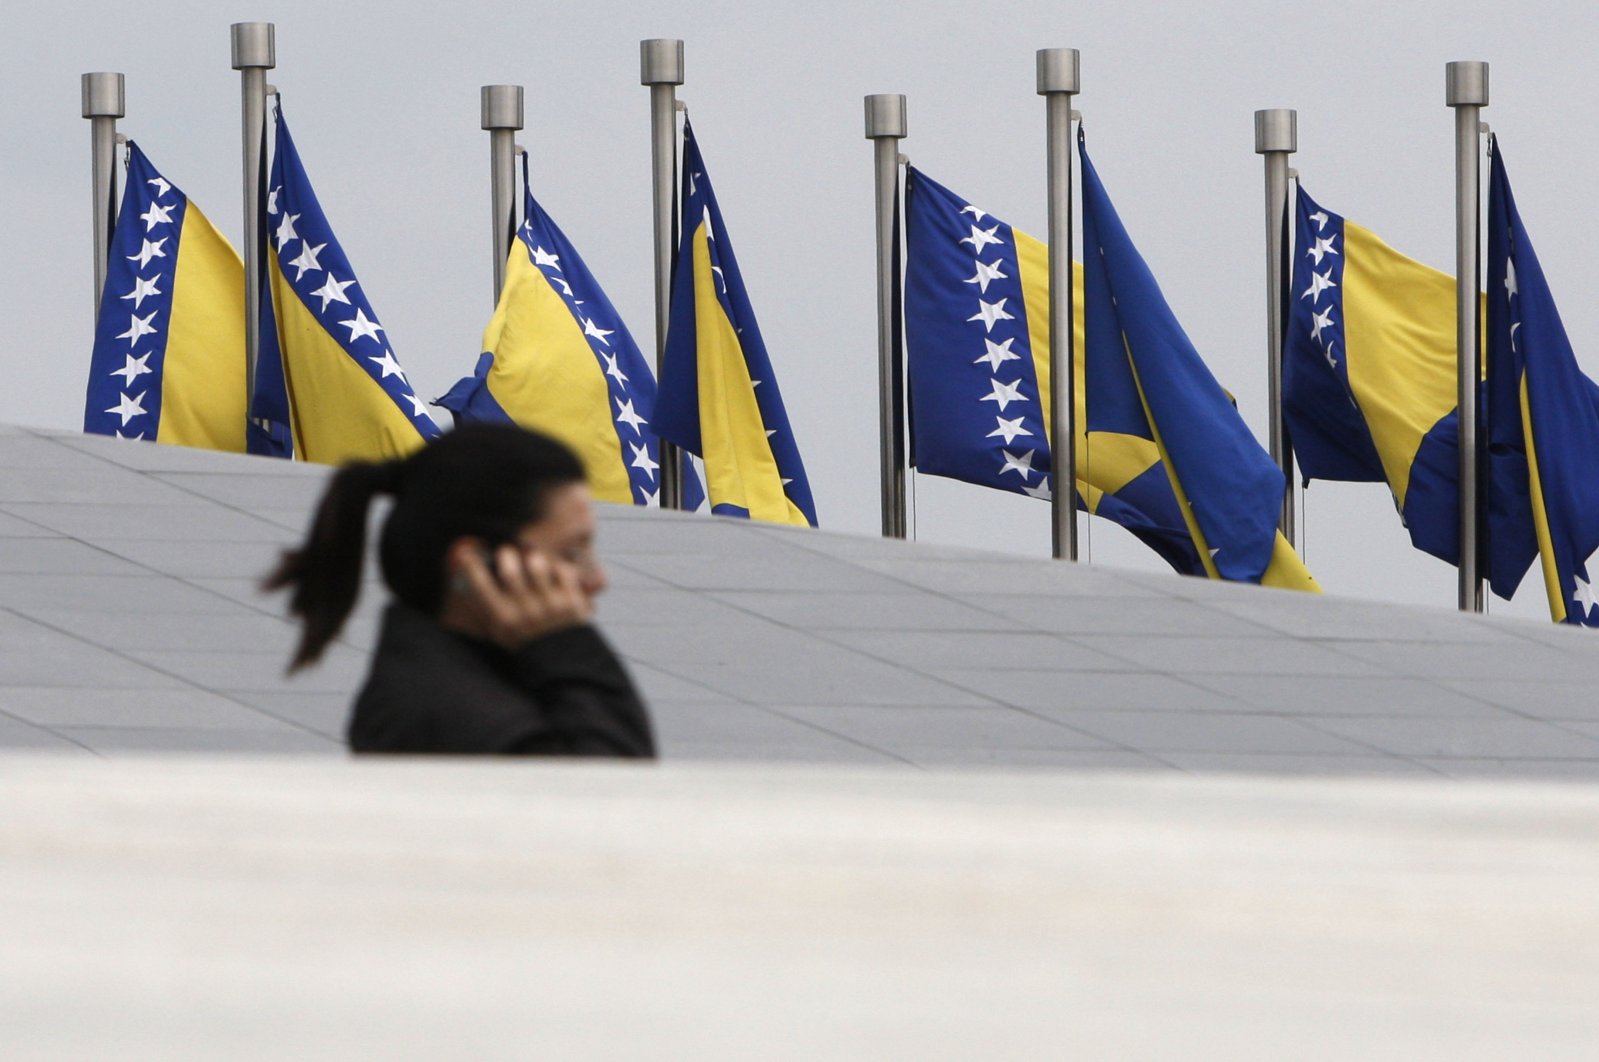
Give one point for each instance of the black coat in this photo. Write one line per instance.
(433, 690)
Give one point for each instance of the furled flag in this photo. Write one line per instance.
(347, 396)
(719, 397)
(558, 358)
(1145, 378)
(1542, 411)
(1370, 387)
(168, 359)
(977, 360)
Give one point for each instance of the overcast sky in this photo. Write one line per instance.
(383, 100)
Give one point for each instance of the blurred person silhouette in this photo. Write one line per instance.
(488, 644)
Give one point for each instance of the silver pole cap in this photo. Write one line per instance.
(660, 62)
(1276, 130)
(502, 106)
(1466, 84)
(104, 96)
(885, 116)
(254, 45)
(1058, 71)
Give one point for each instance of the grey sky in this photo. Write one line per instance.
(383, 101)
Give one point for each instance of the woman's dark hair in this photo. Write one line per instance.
(481, 480)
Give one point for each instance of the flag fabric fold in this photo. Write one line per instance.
(558, 358)
(1543, 416)
(168, 361)
(1146, 379)
(324, 354)
(977, 363)
(719, 396)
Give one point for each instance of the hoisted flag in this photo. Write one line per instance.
(719, 397)
(1543, 413)
(977, 362)
(1370, 387)
(347, 396)
(1144, 378)
(558, 358)
(168, 360)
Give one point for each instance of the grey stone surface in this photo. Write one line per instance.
(207, 908)
(130, 620)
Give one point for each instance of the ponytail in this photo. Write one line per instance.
(324, 574)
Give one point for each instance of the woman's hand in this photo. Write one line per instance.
(529, 594)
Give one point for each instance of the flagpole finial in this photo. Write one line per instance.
(1466, 84)
(1059, 70)
(104, 96)
(1276, 130)
(660, 61)
(501, 106)
(254, 45)
(885, 116)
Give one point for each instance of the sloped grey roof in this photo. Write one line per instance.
(130, 622)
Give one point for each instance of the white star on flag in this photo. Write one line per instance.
(1005, 394)
(1515, 347)
(626, 414)
(613, 370)
(1510, 277)
(272, 200)
(129, 407)
(148, 251)
(286, 231)
(1320, 219)
(307, 259)
(1022, 466)
(418, 407)
(1323, 320)
(1324, 246)
(134, 368)
(1583, 595)
(997, 353)
(139, 327)
(977, 213)
(1009, 429)
(591, 329)
(986, 273)
(541, 258)
(332, 291)
(981, 238)
(566, 289)
(389, 366)
(652, 498)
(141, 288)
(161, 186)
(360, 326)
(1319, 282)
(1040, 491)
(990, 312)
(641, 460)
(156, 215)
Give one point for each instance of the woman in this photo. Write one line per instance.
(487, 646)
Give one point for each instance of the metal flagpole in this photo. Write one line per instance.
(1466, 90)
(501, 108)
(254, 53)
(1277, 137)
(661, 68)
(104, 101)
(1058, 81)
(885, 127)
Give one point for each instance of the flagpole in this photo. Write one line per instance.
(501, 109)
(661, 68)
(1059, 80)
(885, 127)
(254, 53)
(1466, 90)
(104, 101)
(1277, 137)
